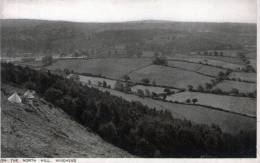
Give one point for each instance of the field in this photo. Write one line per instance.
(234, 60)
(109, 67)
(203, 69)
(230, 103)
(96, 80)
(169, 76)
(251, 55)
(157, 90)
(241, 86)
(212, 62)
(243, 76)
(253, 63)
(228, 122)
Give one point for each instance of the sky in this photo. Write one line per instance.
(130, 10)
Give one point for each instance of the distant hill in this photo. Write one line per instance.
(41, 37)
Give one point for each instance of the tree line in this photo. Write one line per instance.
(132, 126)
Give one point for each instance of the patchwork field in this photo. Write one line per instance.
(234, 60)
(243, 76)
(200, 68)
(236, 104)
(209, 61)
(228, 122)
(243, 87)
(169, 76)
(110, 67)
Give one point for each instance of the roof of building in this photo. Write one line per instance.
(15, 98)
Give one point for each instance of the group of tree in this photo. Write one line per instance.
(160, 61)
(142, 131)
(47, 60)
(194, 100)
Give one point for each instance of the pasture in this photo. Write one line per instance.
(228, 122)
(243, 76)
(109, 67)
(242, 87)
(253, 63)
(235, 104)
(168, 76)
(196, 67)
(251, 55)
(209, 61)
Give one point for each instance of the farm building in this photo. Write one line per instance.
(28, 96)
(15, 98)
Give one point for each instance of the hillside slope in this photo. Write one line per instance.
(42, 130)
(41, 37)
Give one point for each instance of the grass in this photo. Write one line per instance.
(243, 87)
(209, 61)
(200, 68)
(230, 103)
(251, 55)
(109, 67)
(243, 76)
(169, 76)
(228, 122)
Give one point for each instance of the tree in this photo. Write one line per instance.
(167, 90)
(126, 78)
(147, 93)
(30, 85)
(188, 101)
(208, 86)
(160, 61)
(119, 86)
(53, 94)
(154, 83)
(104, 84)
(140, 92)
(200, 88)
(234, 91)
(145, 81)
(190, 87)
(47, 60)
(194, 100)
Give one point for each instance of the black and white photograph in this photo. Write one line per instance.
(128, 79)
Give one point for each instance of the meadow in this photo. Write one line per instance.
(109, 67)
(196, 67)
(209, 61)
(235, 104)
(242, 87)
(243, 76)
(168, 76)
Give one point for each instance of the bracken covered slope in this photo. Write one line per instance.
(42, 130)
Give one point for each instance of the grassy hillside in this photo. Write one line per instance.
(45, 37)
(43, 130)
